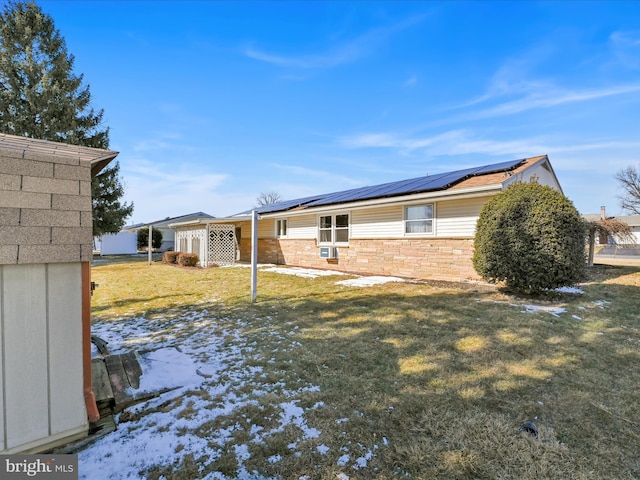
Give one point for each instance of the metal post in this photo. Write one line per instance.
(150, 242)
(254, 255)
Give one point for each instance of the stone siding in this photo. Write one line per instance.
(447, 259)
(45, 208)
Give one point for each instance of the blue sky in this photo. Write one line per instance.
(212, 103)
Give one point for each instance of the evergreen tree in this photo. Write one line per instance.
(143, 238)
(41, 97)
(109, 214)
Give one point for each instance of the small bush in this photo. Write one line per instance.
(170, 257)
(188, 259)
(532, 238)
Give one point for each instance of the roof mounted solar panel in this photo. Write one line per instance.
(427, 183)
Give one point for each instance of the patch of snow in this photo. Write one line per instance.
(576, 317)
(342, 476)
(570, 290)
(167, 368)
(368, 281)
(343, 460)
(555, 311)
(361, 462)
(323, 449)
(303, 272)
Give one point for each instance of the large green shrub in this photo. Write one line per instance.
(532, 238)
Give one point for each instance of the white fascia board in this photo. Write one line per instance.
(462, 193)
(206, 221)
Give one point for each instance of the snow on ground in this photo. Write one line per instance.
(314, 273)
(570, 290)
(207, 357)
(302, 272)
(368, 281)
(555, 311)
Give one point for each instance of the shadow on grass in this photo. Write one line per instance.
(441, 379)
(449, 377)
(134, 302)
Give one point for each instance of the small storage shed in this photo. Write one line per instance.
(45, 292)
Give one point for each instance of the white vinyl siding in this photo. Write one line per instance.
(457, 218)
(267, 228)
(539, 174)
(304, 226)
(379, 222)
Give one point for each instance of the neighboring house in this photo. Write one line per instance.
(418, 228)
(615, 244)
(168, 234)
(45, 292)
(634, 222)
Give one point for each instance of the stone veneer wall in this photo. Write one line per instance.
(420, 258)
(45, 208)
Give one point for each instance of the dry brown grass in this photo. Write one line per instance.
(440, 378)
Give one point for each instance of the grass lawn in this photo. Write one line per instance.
(319, 380)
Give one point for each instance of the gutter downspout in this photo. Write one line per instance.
(89, 396)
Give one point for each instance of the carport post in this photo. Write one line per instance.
(254, 255)
(150, 240)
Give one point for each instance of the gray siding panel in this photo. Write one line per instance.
(25, 353)
(65, 346)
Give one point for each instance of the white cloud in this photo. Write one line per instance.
(339, 54)
(308, 173)
(412, 81)
(546, 98)
(175, 190)
(626, 48)
(467, 142)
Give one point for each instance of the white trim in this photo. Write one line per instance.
(277, 230)
(333, 216)
(432, 233)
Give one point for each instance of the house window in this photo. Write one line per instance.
(418, 219)
(334, 229)
(281, 228)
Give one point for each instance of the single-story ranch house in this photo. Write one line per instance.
(418, 228)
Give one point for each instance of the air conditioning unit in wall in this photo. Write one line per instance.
(328, 252)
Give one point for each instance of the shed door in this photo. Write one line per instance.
(222, 245)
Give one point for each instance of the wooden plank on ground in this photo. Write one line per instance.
(100, 381)
(118, 378)
(132, 368)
